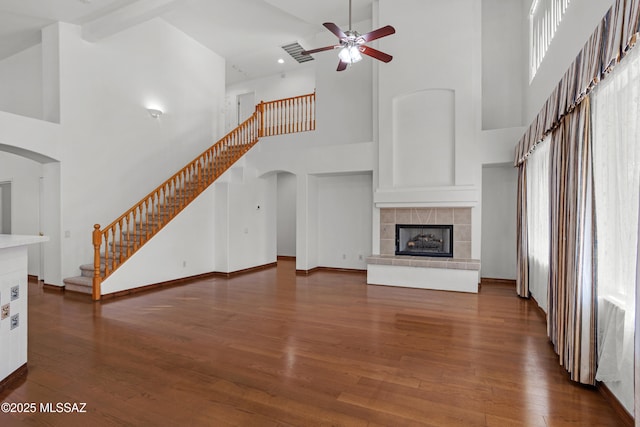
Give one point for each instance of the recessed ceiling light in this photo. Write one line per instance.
(280, 61)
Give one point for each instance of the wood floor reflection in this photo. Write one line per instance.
(274, 349)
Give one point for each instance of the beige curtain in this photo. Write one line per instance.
(571, 317)
(631, 24)
(522, 245)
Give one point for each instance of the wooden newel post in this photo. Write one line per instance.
(260, 108)
(97, 279)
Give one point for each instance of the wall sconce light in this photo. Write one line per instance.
(154, 112)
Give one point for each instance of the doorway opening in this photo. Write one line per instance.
(286, 215)
(5, 207)
(246, 105)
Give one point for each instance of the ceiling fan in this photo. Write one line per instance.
(353, 44)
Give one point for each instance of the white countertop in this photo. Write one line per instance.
(13, 240)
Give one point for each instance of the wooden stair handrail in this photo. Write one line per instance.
(156, 209)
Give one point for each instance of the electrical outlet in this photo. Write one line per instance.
(15, 292)
(15, 320)
(184, 264)
(360, 257)
(344, 256)
(4, 311)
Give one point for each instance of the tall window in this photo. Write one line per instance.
(616, 131)
(538, 222)
(544, 18)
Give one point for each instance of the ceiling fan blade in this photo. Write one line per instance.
(335, 30)
(320, 49)
(342, 66)
(381, 56)
(380, 32)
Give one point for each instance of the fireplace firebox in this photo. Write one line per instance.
(424, 240)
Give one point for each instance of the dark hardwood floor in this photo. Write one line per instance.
(274, 349)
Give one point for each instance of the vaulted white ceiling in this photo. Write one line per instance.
(247, 33)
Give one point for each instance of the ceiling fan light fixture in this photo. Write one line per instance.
(350, 54)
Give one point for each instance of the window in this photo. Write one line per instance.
(544, 19)
(616, 166)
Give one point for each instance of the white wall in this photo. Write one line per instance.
(252, 221)
(344, 220)
(499, 201)
(503, 64)
(24, 175)
(445, 56)
(21, 83)
(287, 186)
(110, 141)
(424, 138)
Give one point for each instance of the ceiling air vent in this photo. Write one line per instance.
(294, 49)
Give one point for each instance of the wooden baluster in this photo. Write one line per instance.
(164, 204)
(154, 219)
(207, 169)
(170, 200)
(291, 115)
(299, 114)
(146, 222)
(137, 213)
(260, 110)
(119, 243)
(214, 157)
(113, 248)
(285, 115)
(128, 242)
(180, 190)
(268, 117)
(303, 119)
(296, 127)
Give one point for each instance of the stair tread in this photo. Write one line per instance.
(79, 281)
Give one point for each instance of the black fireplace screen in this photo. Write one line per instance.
(424, 240)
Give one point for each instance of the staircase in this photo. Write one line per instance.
(117, 242)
